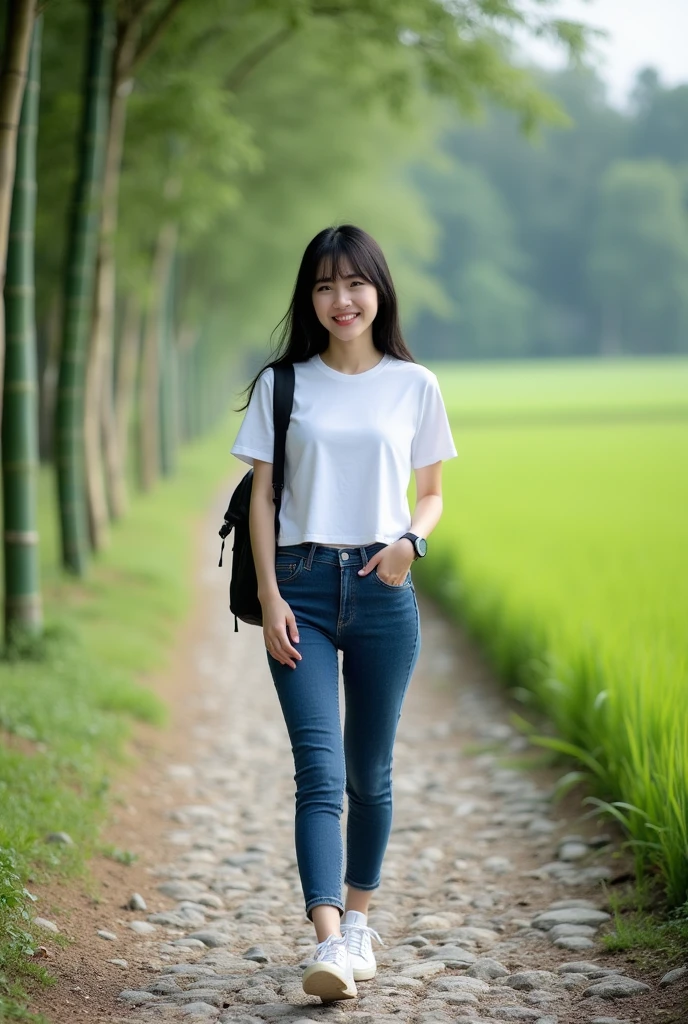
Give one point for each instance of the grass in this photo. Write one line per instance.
(67, 705)
(636, 926)
(564, 547)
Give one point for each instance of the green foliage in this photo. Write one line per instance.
(566, 557)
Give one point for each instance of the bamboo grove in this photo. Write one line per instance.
(135, 135)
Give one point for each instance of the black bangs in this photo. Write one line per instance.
(333, 253)
(337, 254)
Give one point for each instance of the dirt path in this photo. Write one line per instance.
(477, 855)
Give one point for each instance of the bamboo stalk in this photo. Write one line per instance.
(19, 27)
(23, 608)
(79, 285)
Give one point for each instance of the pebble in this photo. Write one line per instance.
(561, 931)
(109, 936)
(515, 1013)
(616, 987)
(672, 976)
(569, 915)
(498, 865)
(608, 1020)
(573, 851)
(134, 996)
(574, 942)
(586, 967)
(136, 902)
(486, 969)
(48, 926)
(119, 963)
(59, 837)
(211, 939)
(528, 980)
(142, 927)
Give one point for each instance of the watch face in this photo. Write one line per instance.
(421, 546)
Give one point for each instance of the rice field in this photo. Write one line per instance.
(566, 530)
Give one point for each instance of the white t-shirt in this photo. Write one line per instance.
(352, 442)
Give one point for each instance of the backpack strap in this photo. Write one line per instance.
(282, 402)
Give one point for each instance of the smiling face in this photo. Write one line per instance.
(345, 305)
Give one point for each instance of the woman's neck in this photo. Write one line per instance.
(351, 357)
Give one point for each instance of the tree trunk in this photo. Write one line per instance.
(47, 378)
(149, 394)
(19, 26)
(23, 611)
(96, 498)
(79, 283)
(99, 383)
(127, 362)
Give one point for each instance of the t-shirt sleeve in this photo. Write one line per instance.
(433, 441)
(255, 439)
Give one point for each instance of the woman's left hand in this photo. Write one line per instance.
(392, 562)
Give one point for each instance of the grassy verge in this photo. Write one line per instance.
(66, 706)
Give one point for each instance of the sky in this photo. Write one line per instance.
(641, 33)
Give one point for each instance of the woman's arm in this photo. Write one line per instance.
(261, 523)
(396, 559)
(279, 622)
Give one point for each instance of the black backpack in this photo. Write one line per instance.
(243, 585)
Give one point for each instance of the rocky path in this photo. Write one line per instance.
(490, 910)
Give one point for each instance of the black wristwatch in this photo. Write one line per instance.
(419, 543)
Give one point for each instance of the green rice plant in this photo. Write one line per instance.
(564, 549)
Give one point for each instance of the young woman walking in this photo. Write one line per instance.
(364, 415)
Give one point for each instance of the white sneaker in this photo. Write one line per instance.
(331, 975)
(358, 939)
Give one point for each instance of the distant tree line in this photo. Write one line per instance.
(574, 245)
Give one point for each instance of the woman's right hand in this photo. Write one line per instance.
(279, 630)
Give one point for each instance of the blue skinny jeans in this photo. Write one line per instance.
(377, 628)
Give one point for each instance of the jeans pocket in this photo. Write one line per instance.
(393, 586)
(288, 568)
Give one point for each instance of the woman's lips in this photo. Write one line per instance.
(345, 319)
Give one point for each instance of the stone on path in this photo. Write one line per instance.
(135, 996)
(672, 976)
(210, 938)
(486, 969)
(48, 926)
(608, 1020)
(136, 902)
(569, 915)
(142, 927)
(574, 942)
(616, 987)
(528, 980)
(108, 936)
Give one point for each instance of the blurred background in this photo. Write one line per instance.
(524, 166)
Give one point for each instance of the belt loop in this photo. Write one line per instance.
(364, 555)
(309, 560)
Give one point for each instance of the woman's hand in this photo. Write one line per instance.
(279, 630)
(394, 562)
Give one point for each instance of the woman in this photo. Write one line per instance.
(365, 414)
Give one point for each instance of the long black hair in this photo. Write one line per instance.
(302, 335)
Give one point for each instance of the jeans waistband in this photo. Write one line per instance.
(313, 552)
